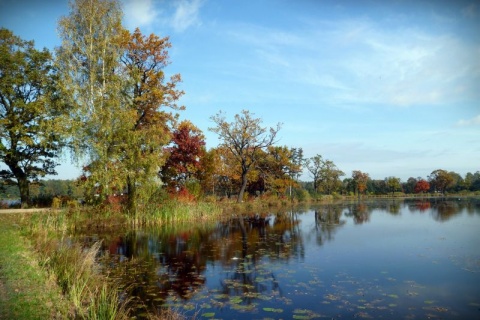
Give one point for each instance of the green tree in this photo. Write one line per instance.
(87, 60)
(409, 186)
(468, 181)
(209, 174)
(276, 168)
(297, 161)
(393, 184)
(330, 177)
(244, 138)
(457, 183)
(30, 113)
(440, 180)
(475, 186)
(326, 175)
(314, 167)
(123, 102)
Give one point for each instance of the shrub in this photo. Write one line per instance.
(302, 195)
(56, 203)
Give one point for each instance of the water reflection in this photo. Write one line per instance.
(248, 264)
(327, 220)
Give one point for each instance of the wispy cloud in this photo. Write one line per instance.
(140, 13)
(186, 14)
(475, 121)
(359, 61)
(470, 11)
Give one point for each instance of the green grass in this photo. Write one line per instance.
(27, 290)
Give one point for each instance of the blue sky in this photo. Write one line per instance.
(391, 88)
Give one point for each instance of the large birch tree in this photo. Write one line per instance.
(88, 60)
(116, 81)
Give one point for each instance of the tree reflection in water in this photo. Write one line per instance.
(155, 268)
(327, 220)
(244, 264)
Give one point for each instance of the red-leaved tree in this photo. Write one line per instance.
(421, 186)
(185, 153)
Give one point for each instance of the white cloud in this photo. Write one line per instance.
(475, 121)
(139, 13)
(359, 61)
(186, 14)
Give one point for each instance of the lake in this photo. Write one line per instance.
(388, 259)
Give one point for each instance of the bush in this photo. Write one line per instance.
(302, 195)
(56, 203)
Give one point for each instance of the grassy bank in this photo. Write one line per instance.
(26, 291)
(77, 287)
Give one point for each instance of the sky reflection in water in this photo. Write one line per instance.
(384, 259)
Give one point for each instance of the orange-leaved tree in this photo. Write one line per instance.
(244, 138)
(152, 99)
(360, 179)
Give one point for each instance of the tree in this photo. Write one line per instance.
(116, 82)
(360, 180)
(184, 160)
(276, 167)
(422, 186)
(330, 177)
(209, 173)
(475, 186)
(457, 182)
(393, 184)
(440, 180)
(244, 138)
(409, 186)
(30, 113)
(150, 100)
(227, 171)
(314, 166)
(297, 161)
(377, 186)
(88, 59)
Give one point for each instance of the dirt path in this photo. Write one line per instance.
(25, 210)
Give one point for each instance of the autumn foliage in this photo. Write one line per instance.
(184, 154)
(422, 186)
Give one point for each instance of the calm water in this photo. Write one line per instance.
(407, 259)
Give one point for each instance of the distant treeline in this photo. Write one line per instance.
(44, 189)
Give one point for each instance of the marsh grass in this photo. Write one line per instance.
(174, 211)
(75, 268)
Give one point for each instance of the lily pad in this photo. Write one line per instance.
(208, 314)
(273, 310)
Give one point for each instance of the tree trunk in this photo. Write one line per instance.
(22, 183)
(24, 187)
(243, 187)
(132, 196)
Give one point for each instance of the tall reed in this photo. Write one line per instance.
(75, 269)
(174, 211)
